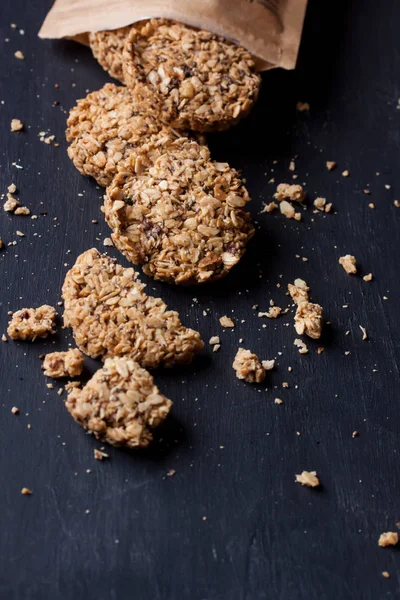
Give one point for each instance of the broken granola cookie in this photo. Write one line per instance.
(248, 366)
(111, 315)
(182, 219)
(120, 404)
(286, 191)
(298, 291)
(106, 129)
(389, 538)
(190, 78)
(348, 263)
(63, 364)
(32, 323)
(107, 47)
(308, 320)
(308, 478)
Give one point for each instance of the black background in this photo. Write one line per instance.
(231, 524)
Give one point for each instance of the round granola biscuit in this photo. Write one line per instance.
(106, 129)
(182, 219)
(107, 48)
(191, 78)
(120, 404)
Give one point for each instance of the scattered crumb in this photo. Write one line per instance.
(396, 203)
(10, 204)
(273, 312)
(20, 233)
(214, 340)
(99, 455)
(286, 191)
(248, 366)
(22, 210)
(364, 332)
(330, 165)
(371, 205)
(50, 386)
(303, 349)
(269, 207)
(320, 350)
(354, 434)
(278, 401)
(63, 364)
(389, 538)
(308, 478)
(368, 277)
(268, 365)
(16, 125)
(346, 173)
(292, 165)
(15, 410)
(4, 338)
(107, 242)
(18, 54)
(308, 320)
(298, 291)
(226, 322)
(302, 106)
(287, 209)
(216, 347)
(171, 473)
(386, 574)
(71, 385)
(348, 263)
(26, 491)
(320, 203)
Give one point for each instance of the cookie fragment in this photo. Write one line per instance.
(389, 538)
(348, 263)
(111, 315)
(248, 366)
(182, 219)
(107, 47)
(63, 364)
(106, 129)
(120, 404)
(308, 320)
(190, 78)
(32, 323)
(308, 478)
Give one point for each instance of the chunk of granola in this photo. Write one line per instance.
(268, 365)
(348, 263)
(287, 209)
(10, 204)
(248, 366)
(269, 207)
(120, 404)
(286, 191)
(107, 47)
(226, 322)
(308, 478)
(274, 312)
(320, 203)
(389, 538)
(32, 323)
(16, 125)
(111, 315)
(302, 346)
(298, 291)
(330, 165)
(63, 364)
(368, 277)
(308, 320)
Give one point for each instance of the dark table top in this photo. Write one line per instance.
(231, 524)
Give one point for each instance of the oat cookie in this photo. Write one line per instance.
(182, 219)
(107, 47)
(32, 323)
(63, 364)
(191, 78)
(120, 404)
(111, 315)
(106, 129)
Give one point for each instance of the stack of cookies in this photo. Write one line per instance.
(171, 208)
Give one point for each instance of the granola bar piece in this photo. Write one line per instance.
(120, 404)
(348, 263)
(389, 538)
(189, 77)
(182, 219)
(308, 478)
(107, 47)
(111, 315)
(63, 364)
(298, 291)
(308, 320)
(294, 193)
(106, 129)
(32, 323)
(248, 366)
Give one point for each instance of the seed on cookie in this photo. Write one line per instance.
(182, 219)
(107, 47)
(189, 77)
(120, 404)
(111, 315)
(106, 129)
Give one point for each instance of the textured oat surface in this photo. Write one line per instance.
(182, 219)
(191, 78)
(248, 366)
(106, 128)
(107, 47)
(63, 364)
(111, 315)
(32, 323)
(120, 404)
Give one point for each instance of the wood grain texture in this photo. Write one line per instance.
(231, 524)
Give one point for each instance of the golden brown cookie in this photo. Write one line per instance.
(111, 315)
(188, 77)
(182, 219)
(107, 48)
(120, 404)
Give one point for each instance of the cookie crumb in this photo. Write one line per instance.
(364, 332)
(330, 165)
(4, 338)
(278, 401)
(320, 203)
(308, 320)
(287, 209)
(226, 322)
(371, 205)
(303, 349)
(346, 173)
(298, 291)
(389, 538)
(22, 210)
(354, 434)
(396, 203)
(320, 350)
(348, 263)
(302, 106)
(368, 277)
(171, 473)
(18, 54)
(100, 455)
(268, 365)
(63, 364)
(386, 574)
(286, 191)
(16, 125)
(15, 410)
(214, 340)
(108, 242)
(308, 478)
(10, 204)
(26, 491)
(269, 207)
(248, 366)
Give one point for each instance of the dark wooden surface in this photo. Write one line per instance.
(231, 524)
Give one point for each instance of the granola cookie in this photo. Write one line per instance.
(32, 323)
(120, 404)
(107, 47)
(106, 129)
(63, 364)
(111, 315)
(189, 77)
(182, 219)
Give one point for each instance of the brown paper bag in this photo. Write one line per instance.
(269, 29)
